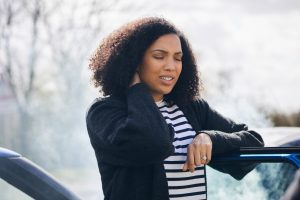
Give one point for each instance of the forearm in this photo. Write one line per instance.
(225, 142)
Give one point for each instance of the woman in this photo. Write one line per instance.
(152, 136)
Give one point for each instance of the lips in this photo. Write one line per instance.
(166, 78)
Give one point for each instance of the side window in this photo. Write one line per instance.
(9, 192)
(266, 181)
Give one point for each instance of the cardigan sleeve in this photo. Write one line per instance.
(129, 132)
(226, 135)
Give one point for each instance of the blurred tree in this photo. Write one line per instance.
(44, 46)
(285, 119)
(20, 73)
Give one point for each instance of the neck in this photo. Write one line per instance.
(158, 98)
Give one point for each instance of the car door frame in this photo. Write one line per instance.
(261, 154)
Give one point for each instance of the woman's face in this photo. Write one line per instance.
(161, 65)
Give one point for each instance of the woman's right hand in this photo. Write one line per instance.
(136, 79)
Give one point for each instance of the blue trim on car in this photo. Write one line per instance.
(290, 155)
(5, 153)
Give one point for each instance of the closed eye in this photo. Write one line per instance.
(178, 58)
(158, 57)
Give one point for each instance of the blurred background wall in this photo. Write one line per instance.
(247, 52)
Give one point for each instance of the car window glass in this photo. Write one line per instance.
(266, 181)
(9, 192)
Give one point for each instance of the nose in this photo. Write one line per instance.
(170, 64)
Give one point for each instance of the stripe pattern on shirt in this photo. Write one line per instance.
(182, 185)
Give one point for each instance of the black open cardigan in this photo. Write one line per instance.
(131, 139)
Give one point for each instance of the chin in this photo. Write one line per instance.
(165, 92)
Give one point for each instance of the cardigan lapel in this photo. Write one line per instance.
(191, 116)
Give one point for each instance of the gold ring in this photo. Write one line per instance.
(204, 158)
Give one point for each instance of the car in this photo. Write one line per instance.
(274, 164)
(280, 136)
(275, 167)
(32, 180)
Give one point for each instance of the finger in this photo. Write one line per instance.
(208, 143)
(197, 155)
(209, 152)
(185, 167)
(191, 161)
(203, 154)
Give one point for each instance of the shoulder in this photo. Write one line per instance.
(198, 104)
(102, 103)
(199, 101)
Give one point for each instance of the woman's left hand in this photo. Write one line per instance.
(198, 152)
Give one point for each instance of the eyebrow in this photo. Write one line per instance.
(164, 51)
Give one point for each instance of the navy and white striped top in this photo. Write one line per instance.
(182, 185)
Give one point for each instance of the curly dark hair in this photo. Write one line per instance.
(118, 56)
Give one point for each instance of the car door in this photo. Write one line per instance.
(274, 169)
(20, 174)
